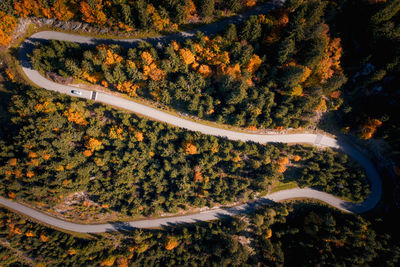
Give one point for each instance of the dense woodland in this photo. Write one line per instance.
(373, 63)
(274, 71)
(56, 145)
(162, 16)
(277, 235)
(52, 145)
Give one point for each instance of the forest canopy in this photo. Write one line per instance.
(57, 146)
(276, 235)
(123, 16)
(273, 71)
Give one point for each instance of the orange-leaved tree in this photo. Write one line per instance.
(282, 164)
(61, 10)
(368, 130)
(93, 14)
(75, 116)
(186, 55)
(7, 26)
(109, 261)
(25, 8)
(190, 11)
(158, 22)
(171, 243)
(190, 148)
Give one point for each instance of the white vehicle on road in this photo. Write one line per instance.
(76, 92)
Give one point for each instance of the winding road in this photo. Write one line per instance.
(313, 139)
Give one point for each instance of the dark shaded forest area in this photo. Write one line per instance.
(290, 235)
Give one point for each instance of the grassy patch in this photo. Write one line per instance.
(279, 186)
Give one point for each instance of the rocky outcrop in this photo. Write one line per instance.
(59, 79)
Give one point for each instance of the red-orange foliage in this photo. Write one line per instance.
(95, 78)
(8, 72)
(127, 87)
(44, 107)
(147, 57)
(139, 136)
(251, 128)
(175, 45)
(116, 132)
(334, 53)
(93, 144)
(7, 26)
(150, 67)
(269, 233)
(125, 27)
(190, 10)
(297, 90)
(172, 242)
(109, 261)
(30, 234)
(18, 173)
(25, 8)
(74, 116)
(71, 251)
(66, 182)
(186, 55)
(158, 22)
(233, 71)
(307, 73)
(198, 176)
(205, 70)
(93, 15)
(282, 164)
(44, 238)
(335, 94)
(32, 154)
(254, 63)
(215, 148)
(236, 158)
(250, 3)
(331, 61)
(12, 162)
(46, 156)
(122, 262)
(190, 148)
(369, 128)
(14, 229)
(321, 106)
(155, 73)
(112, 58)
(104, 83)
(283, 19)
(61, 11)
(296, 158)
